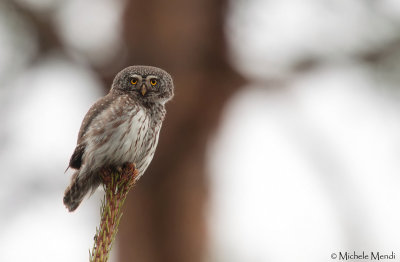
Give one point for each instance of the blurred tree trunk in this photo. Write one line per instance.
(165, 213)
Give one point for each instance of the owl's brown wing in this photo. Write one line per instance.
(96, 109)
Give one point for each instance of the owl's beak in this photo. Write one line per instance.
(143, 90)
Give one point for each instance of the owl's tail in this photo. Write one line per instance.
(77, 190)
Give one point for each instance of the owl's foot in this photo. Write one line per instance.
(118, 169)
(128, 165)
(125, 169)
(113, 169)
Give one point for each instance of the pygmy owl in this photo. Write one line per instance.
(122, 127)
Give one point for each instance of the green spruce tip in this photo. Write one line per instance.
(116, 183)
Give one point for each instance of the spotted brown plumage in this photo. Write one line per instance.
(122, 127)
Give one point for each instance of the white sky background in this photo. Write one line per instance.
(297, 171)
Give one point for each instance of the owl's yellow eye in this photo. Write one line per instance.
(153, 82)
(134, 81)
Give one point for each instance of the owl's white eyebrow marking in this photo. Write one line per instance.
(139, 77)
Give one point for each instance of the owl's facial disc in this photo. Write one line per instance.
(145, 84)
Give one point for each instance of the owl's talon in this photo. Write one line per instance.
(128, 165)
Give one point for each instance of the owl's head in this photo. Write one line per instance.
(145, 83)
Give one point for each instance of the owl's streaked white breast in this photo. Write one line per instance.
(122, 140)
